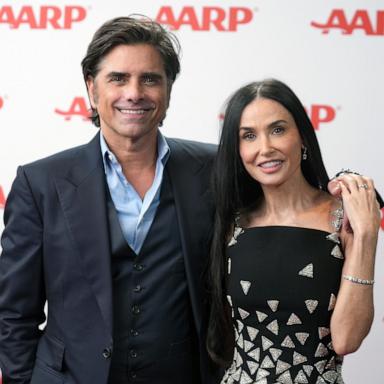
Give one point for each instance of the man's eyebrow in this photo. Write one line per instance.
(155, 75)
(116, 73)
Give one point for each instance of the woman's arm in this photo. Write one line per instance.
(353, 313)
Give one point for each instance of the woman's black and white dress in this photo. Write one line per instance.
(282, 287)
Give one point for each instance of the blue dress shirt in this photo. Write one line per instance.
(135, 215)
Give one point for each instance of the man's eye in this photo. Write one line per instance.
(149, 80)
(117, 78)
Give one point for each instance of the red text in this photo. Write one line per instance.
(42, 17)
(207, 19)
(359, 21)
(321, 114)
(78, 107)
(2, 205)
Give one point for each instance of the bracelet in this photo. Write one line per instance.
(358, 281)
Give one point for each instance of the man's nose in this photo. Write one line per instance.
(133, 91)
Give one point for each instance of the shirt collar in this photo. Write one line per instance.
(163, 150)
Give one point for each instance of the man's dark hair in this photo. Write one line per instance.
(131, 30)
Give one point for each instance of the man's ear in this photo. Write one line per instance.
(91, 91)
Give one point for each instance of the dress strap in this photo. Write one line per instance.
(337, 216)
(237, 230)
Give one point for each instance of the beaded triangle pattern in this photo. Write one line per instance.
(255, 354)
(334, 237)
(261, 373)
(323, 331)
(301, 378)
(308, 369)
(266, 343)
(240, 326)
(284, 340)
(282, 366)
(320, 366)
(248, 345)
(267, 363)
(332, 302)
(311, 305)
(245, 379)
(252, 366)
(298, 358)
(293, 319)
(275, 353)
(285, 378)
(252, 332)
(307, 271)
(273, 326)
(336, 252)
(261, 316)
(240, 342)
(273, 304)
(302, 337)
(243, 313)
(237, 231)
(245, 285)
(321, 350)
(288, 343)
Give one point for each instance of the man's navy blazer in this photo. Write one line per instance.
(56, 248)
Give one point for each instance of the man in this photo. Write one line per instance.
(114, 235)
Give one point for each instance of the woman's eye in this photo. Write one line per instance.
(278, 130)
(249, 136)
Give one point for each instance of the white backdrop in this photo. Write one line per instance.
(331, 54)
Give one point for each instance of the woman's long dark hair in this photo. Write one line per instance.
(235, 191)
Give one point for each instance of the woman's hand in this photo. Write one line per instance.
(360, 205)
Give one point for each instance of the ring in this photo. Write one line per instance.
(363, 186)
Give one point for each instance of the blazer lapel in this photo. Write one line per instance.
(189, 183)
(82, 195)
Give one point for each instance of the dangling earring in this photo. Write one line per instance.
(305, 156)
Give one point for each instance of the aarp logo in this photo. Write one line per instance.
(321, 114)
(205, 18)
(361, 20)
(43, 17)
(78, 107)
(2, 205)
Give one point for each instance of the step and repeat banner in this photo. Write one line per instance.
(331, 53)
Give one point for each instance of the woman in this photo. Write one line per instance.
(292, 284)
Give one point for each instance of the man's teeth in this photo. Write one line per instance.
(133, 111)
(271, 164)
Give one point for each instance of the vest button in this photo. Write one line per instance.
(133, 353)
(107, 352)
(134, 332)
(135, 309)
(138, 267)
(137, 288)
